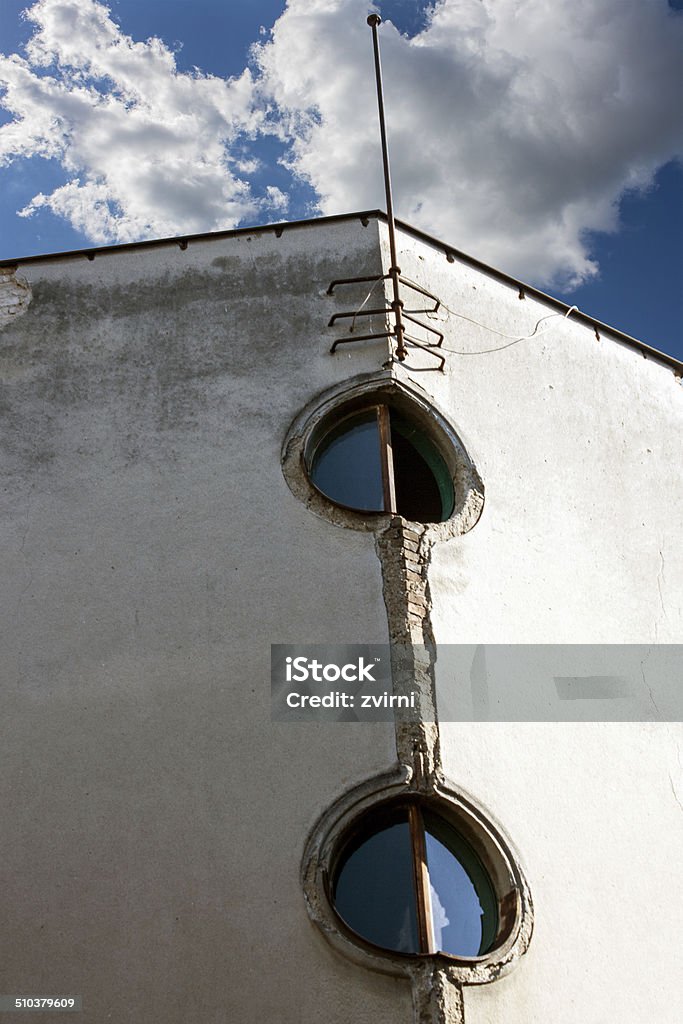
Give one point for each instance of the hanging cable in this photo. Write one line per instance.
(513, 339)
(367, 297)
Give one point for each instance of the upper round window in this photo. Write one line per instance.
(407, 881)
(374, 459)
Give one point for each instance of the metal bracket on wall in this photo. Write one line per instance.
(387, 310)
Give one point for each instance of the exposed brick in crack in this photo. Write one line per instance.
(404, 551)
(404, 554)
(436, 999)
(404, 572)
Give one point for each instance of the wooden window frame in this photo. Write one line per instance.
(506, 906)
(382, 418)
(423, 897)
(379, 413)
(386, 458)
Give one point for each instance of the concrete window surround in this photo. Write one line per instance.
(331, 833)
(407, 398)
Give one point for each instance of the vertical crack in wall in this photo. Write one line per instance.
(404, 552)
(436, 999)
(404, 556)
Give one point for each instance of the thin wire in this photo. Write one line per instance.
(514, 339)
(353, 322)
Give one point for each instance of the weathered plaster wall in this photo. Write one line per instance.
(153, 551)
(578, 443)
(153, 817)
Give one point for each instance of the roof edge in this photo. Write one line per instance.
(365, 216)
(526, 289)
(201, 236)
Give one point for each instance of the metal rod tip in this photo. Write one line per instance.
(374, 20)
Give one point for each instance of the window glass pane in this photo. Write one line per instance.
(375, 893)
(464, 906)
(424, 489)
(347, 463)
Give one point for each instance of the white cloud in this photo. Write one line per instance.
(515, 125)
(276, 199)
(148, 147)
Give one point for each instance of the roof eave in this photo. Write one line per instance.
(365, 216)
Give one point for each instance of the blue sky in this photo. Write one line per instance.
(546, 144)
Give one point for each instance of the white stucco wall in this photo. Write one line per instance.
(153, 817)
(578, 443)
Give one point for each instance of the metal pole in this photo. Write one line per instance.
(394, 270)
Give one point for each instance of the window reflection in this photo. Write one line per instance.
(382, 870)
(465, 896)
(347, 465)
(377, 460)
(374, 890)
(439, 919)
(456, 920)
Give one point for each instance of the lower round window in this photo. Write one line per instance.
(406, 880)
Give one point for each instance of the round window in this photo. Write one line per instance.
(374, 459)
(406, 880)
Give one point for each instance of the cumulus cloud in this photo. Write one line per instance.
(151, 151)
(515, 125)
